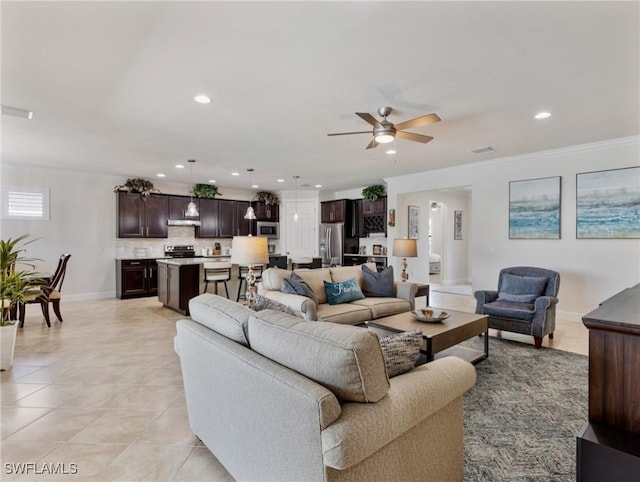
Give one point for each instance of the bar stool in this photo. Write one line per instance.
(242, 276)
(217, 272)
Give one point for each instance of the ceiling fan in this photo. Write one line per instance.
(385, 131)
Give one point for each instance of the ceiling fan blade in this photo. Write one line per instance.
(372, 144)
(369, 118)
(410, 136)
(349, 133)
(418, 121)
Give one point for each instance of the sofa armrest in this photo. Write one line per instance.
(407, 291)
(298, 303)
(364, 428)
(482, 297)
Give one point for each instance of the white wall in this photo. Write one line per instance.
(591, 269)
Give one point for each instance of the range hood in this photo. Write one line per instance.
(183, 222)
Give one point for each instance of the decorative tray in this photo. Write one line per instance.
(434, 317)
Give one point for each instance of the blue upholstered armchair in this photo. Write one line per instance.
(525, 302)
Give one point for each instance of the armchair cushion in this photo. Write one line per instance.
(522, 289)
(509, 309)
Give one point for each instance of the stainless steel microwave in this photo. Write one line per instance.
(268, 229)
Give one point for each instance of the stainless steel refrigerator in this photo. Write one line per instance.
(331, 244)
(335, 242)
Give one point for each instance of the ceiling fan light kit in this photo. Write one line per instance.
(385, 131)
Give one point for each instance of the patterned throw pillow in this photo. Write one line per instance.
(295, 285)
(401, 351)
(343, 291)
(264, 303)
(376, 284)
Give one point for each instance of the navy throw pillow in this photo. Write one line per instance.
(521, 289)
(295, 285)
(377, 285)
(343, 291)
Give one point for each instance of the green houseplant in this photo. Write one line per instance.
(141, 186)
(268, 198)
(15, 285)
(373, 192)
(205, 191)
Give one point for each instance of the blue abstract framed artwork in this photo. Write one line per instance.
(608, 204)
(534, 208)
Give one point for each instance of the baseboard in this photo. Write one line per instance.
(89, 296)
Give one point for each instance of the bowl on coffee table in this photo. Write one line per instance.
(430, 315)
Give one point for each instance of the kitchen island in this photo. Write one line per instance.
(179, 280)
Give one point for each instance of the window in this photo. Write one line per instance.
(25, 203)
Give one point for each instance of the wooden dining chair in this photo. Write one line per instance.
(48, 293)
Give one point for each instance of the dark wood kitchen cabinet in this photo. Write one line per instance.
(142, 218)
(226, 218)
(266, 212)
(217, 218)
(136, 278)
(178, 206)
(375, 208)
(244, 227)
(333, 211)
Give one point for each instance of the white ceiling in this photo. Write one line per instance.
(112, 84)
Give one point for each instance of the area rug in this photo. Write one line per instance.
(522, 417)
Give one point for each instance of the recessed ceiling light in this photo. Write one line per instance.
(202, 99)
(17, 112)
(254, 186)
(391, 151)
(235, 173)
(179, 166)
(280, 180)
(542, 115)
(318, 185)
(160, 174)
(212, 181)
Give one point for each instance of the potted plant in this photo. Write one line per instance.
(15, 285)
(268, 198)
(141, 186)
(372, 193)
(205, 191)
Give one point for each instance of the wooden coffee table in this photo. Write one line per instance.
(442, 337)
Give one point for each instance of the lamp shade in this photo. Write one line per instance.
(248, 250)
(405, 248)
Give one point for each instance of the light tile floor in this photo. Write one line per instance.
(101, 395)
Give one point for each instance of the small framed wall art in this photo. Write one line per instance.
(534, 208)
(607, 204)
(414, 213)
(457, 224)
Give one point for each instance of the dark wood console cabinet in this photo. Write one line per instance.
(608, 447)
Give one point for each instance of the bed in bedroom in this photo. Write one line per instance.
(434, 263)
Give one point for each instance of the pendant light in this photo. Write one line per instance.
(250, 214)
(295, 214)
(192, 210)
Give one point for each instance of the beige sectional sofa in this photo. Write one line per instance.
(353, 313)
(278, 398)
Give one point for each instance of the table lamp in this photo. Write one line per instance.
(405, 248)
(249, 250)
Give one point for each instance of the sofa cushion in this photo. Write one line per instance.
(295, 285)
(345, 359)
(345, 313)
(342, 291)
(401, 351)
(263, 303)
(380, 307)
(315, 279)
(378, 284)
(221, 315)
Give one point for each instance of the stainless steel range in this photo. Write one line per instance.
(180, 251)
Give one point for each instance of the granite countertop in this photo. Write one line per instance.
(181, 261)
(223, 257)
(368, 255)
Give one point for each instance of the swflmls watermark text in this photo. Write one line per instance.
(34, 468)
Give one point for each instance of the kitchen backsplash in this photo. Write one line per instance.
(369, 242)
(155, 247)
